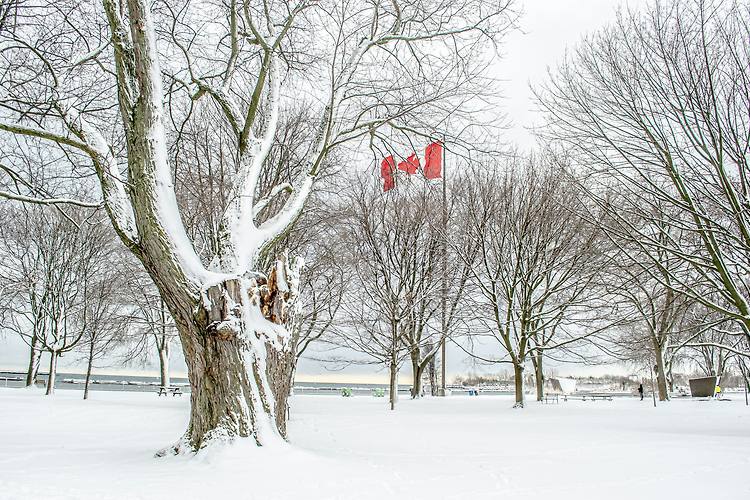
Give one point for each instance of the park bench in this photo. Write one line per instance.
(594, 396)
(174, 391)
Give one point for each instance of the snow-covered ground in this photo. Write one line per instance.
(354, 448)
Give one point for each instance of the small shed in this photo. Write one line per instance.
(704, 387)
(561, 385)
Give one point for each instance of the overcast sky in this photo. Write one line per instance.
(547, 29)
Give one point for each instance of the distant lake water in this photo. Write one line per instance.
(136, 383)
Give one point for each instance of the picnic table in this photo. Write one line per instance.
(593, 396)
(173, 390)
(549, 398)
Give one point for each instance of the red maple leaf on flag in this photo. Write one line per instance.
(410, 165)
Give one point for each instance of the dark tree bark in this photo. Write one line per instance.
(661, 377)
(34, 357)
(432, 370)
(235, 381)
(417, 369)
(225, 368)
(89, 364)
(518, 380)
(280, 369)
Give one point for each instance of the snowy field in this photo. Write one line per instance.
(453, 448)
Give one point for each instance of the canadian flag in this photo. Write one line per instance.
(433, 165)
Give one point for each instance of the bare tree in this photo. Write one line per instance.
(654, 108)
(653, 314)
(106, 321)
(151, 327)
(535, 267)
(22, 303)
(392, 244)
(704, 345)
(54, 263)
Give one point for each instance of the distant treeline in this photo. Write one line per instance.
(680, 379)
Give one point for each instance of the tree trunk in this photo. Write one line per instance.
(52, 372)
(164, 365)
(280, 371)
(230, 396)
(539, 375)
(34, 357)
(417, 387)
(416, 373)
(518, 376)
(432, 372)
(88, 370)
(225, 357)
(661, 378)
(669, 376)
(393, 385)
(238, 356)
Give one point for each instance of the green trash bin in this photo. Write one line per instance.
(378, 393)
(346, 392)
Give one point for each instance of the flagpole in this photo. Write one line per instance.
(445, 277)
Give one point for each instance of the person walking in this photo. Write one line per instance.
(640, 391)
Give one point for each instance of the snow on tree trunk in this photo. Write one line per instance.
(278, 297)
(661, 378)
(52, 373)
(164, 365)
(393, 381)
(230, 396)
(518, 378)
(34, 357)
(539, 376)
(234, 346)
(229, 391)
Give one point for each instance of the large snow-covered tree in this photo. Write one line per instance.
(90, 80)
